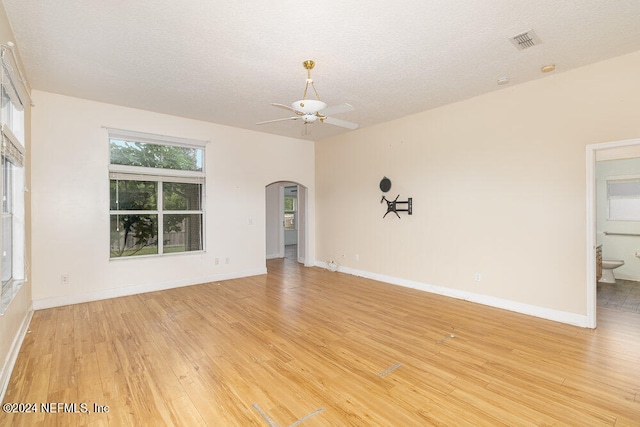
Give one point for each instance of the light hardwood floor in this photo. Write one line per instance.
(304, 346)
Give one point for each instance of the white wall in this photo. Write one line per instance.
(290, 237)
(303, 226)
(614, 246)
(273, 220)
(498, 185)
(71, 200)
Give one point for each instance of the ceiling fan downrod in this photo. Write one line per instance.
(309, 64)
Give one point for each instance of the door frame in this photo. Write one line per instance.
(301, 218)
(592, 288)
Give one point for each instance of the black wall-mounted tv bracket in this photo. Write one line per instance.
(392, 205)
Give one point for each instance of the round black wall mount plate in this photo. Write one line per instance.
(385, 184)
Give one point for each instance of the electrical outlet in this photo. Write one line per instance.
(64, 279)
(357, 257)
(216, 261)
(477, 277)
(227, 260)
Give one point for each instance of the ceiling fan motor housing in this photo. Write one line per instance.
(309, 106)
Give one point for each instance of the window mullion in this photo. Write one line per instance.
(182, 212)
(160, 220)
(125, 212)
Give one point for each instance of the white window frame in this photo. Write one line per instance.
(159, 175)
(13, 151)
(624, 207)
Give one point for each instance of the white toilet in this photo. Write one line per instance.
(607, 270)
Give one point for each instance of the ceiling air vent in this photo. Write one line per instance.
(525, 40)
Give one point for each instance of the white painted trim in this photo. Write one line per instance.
(152, 138)
(281, 219)
(304, 255)
(531, 310)
(591, 237)
(139, 289)
(12, 356)
(591, 284)
(142, 173)
(273, 256)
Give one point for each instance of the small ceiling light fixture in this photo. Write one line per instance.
(548, 68)
(503, 80)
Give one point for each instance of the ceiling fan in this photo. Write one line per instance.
(313, 110)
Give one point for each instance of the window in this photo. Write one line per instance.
(12, 232)
(290, 208)
(156, 187)
(623, 197)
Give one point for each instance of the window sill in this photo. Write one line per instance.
(8, 293)
(169, 254)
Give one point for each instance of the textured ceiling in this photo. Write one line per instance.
(225, 62)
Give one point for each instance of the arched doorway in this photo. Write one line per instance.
(286, 224)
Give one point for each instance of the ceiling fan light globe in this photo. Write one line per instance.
(309, 106)
(309, 118)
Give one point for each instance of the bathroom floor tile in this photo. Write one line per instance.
(624, 295)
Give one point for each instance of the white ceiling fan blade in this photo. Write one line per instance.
(337, 109)
(341, 123)
(275, 104)
(278, 120)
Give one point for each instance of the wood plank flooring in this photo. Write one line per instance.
(304, 346)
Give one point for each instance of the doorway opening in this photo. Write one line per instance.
(286, 221)
(594, 152)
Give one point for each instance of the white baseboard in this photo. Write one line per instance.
(43, 303)
(10, 361)
(528, 309)
(626, 277)
(273, 256)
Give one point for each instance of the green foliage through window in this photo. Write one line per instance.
(133, 195)
(162, 214)
(181, 196)
(134, 235)
(289, 203)
(134, 153)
